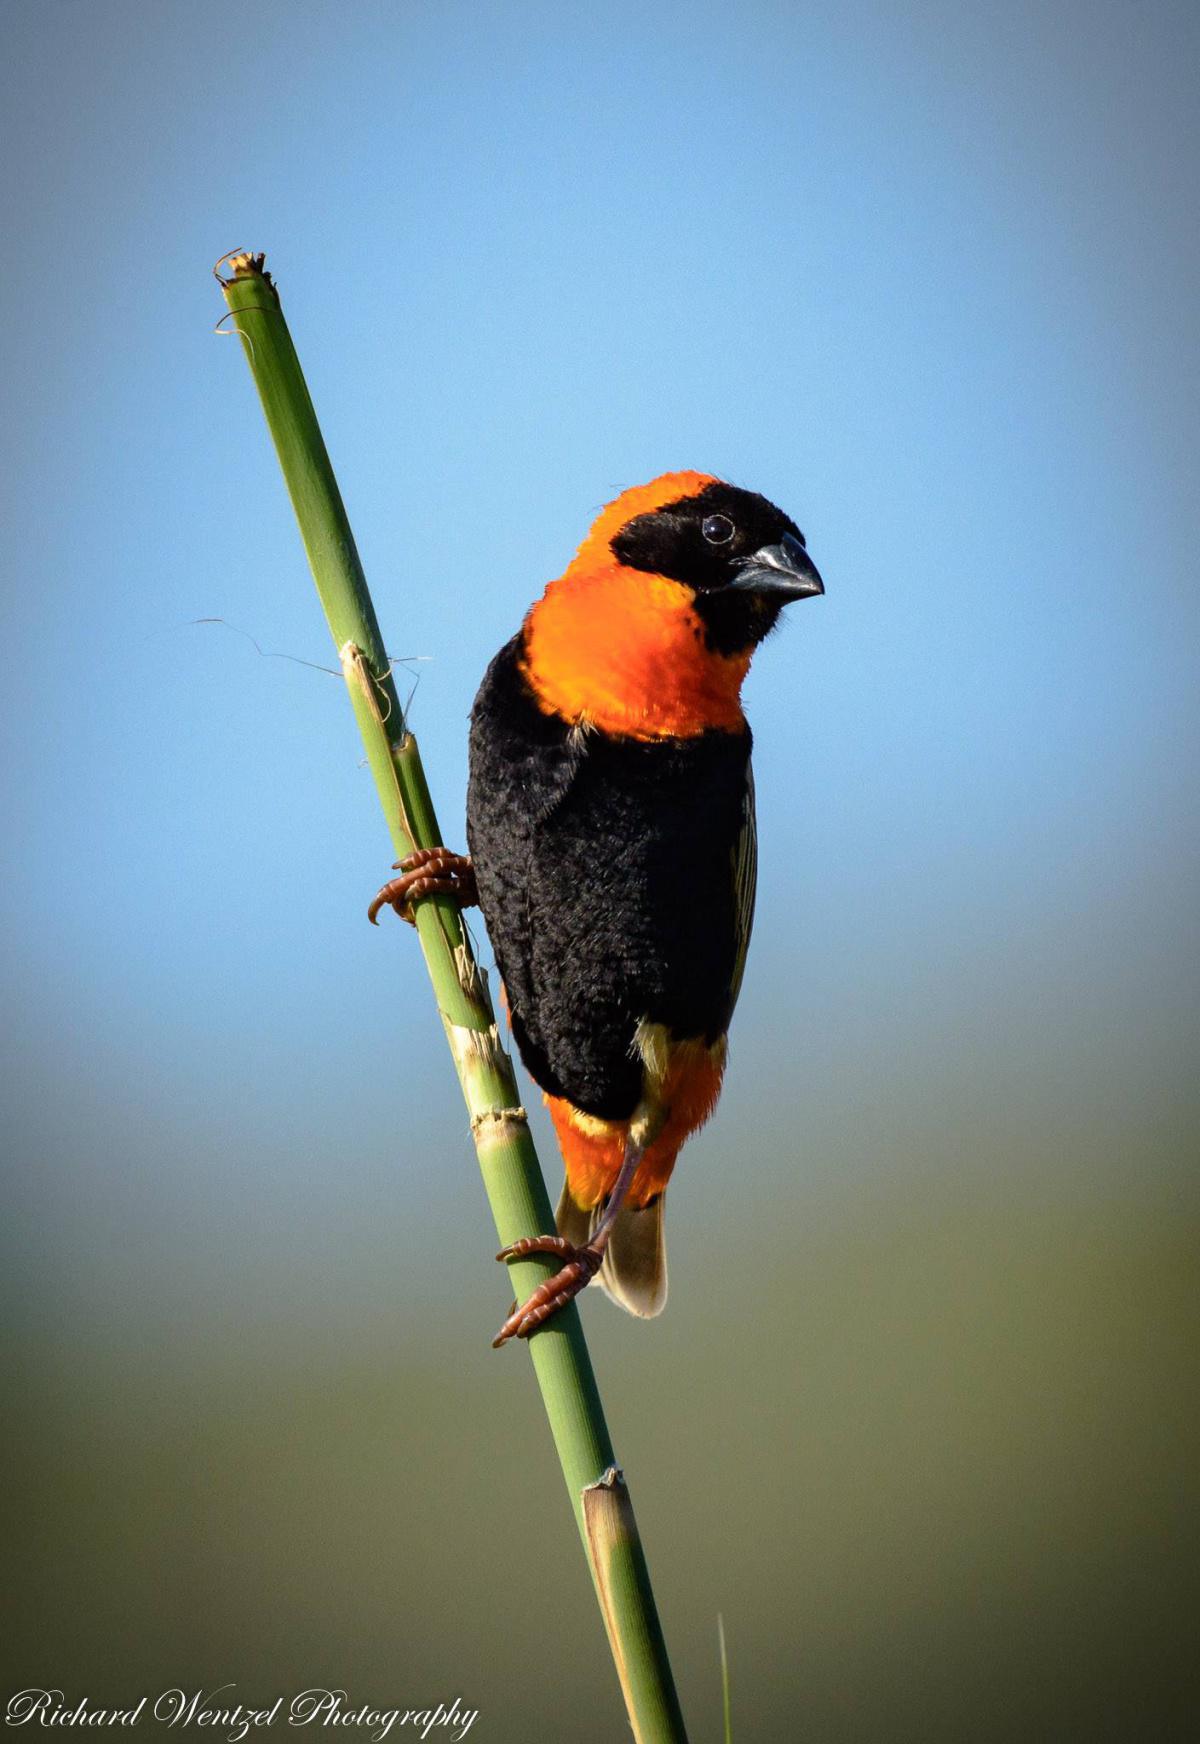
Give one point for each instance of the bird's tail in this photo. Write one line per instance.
(634, 1272)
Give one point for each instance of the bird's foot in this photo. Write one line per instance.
(582, 1264)
(427, 872)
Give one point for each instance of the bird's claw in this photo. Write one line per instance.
(582, 1264)
(426, 872)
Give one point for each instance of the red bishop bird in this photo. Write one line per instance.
(610, 818)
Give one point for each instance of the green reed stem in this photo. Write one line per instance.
(507, 1159)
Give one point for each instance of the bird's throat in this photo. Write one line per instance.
(626, 652)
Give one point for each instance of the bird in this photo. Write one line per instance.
(613, 852)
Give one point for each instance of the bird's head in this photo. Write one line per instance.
(650, 630)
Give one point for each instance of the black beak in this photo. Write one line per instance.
(784, 570)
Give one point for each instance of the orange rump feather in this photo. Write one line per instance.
(593, 1149)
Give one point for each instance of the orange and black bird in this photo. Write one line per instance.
(610, 818)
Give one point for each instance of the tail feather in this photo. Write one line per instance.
(572, 1221)
(634, 1272)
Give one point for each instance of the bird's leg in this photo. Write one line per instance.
(582, 1263)
(427, 872)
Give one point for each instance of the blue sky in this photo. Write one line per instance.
(920, 275)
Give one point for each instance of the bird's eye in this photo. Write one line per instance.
(717, 529)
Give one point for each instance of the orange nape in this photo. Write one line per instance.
(623, 650)
(639, 499)
(593, 1149)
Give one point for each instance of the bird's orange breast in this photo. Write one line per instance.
(624, 651)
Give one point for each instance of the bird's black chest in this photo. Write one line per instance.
(604, 873)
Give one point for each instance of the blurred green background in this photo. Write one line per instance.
(920, 1419)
